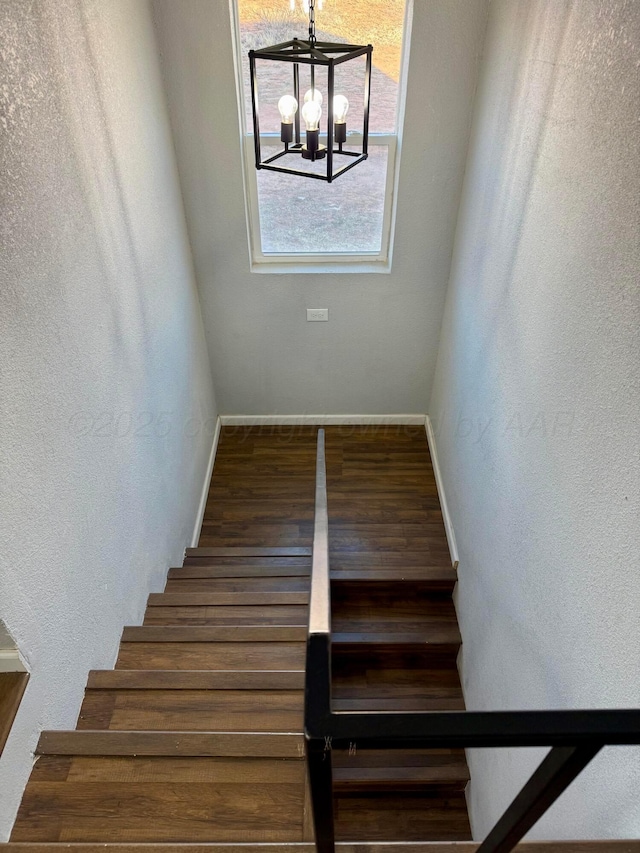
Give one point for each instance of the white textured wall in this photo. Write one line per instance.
(377, 353)
(537, 390)
(99, 317)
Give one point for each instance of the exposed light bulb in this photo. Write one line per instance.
(311, 113)
(340, 109)
(288, 107)
(316, 94)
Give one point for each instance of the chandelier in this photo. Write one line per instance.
(316, 146)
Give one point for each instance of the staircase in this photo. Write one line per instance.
(394, 649)
(196, 736)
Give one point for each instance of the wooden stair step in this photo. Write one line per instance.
(408, 815)
(383, 614)
(157, 679)
(359, 665)
(243, 570)
(236, 655)
(403, 600)
(249, 614)
(237, 562)
(140, 743)
(246, 551)
(247, 535)
(437, 577)
(365, 558)
(249, 584)
(607, 846)
(398, 699)
(193, 710)
(279, 525)
(390, 600)
(213, 634)
(442, 578)
(416, 538)
(393, 666)
(400, 769)
(159, 798)
(221, 599)
(283, 511)
(418, 541)
(392, 680)
(443, 636)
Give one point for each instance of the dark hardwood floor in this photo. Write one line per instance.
(262, 489)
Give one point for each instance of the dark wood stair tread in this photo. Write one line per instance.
(162, 743)
(161, 599)
(411, 816)
(234, 614)
(400, 769)
(214, 634)
(213, 655)
(204, 679)
(392, 679)
(163, 798)
(437, 578)
(390, 600)
(271, 535)
(407, 699)
(247, 551)
(441, 635)
(239, 562)
(388, 615)
(189, 571)
(367, 558)
(193, 710)
(251, 584)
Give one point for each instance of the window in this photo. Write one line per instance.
(302, 225)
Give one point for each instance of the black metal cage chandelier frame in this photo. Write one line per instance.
(316, 54)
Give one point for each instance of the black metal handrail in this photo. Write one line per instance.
(575, 737)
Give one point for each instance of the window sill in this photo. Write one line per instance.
(335, 266)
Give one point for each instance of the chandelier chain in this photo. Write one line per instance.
(312, 22)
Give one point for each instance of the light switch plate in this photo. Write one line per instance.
(317, 315)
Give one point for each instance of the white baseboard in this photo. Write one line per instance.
(448, 523)
(11, 661)
(321, 420)
(205, 486)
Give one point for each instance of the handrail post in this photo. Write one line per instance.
(317, 710)
(321, 786)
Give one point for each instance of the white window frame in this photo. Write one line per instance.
(333, 262)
